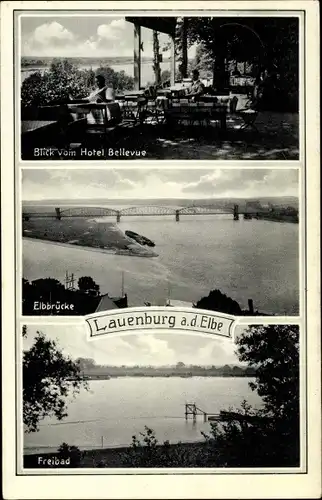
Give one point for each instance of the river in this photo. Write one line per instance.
(248, 259)
(112, 411)
(147, 74)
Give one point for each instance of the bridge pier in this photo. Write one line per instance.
(236, 213)
(58, 213)
(118, 216)
(177, 215)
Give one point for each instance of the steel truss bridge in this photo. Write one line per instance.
(144, 211)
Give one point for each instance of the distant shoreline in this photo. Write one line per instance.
(165, 375)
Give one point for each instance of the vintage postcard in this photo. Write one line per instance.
(160, 228)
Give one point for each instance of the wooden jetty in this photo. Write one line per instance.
(223, 416)
(193, 410)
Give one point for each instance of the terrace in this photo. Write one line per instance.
(162, 121)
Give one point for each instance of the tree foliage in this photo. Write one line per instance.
(71, 453)
(64, 80)
(264, 44)
(87, 284)
(245, 437)
(147, 451)
(49, 377)
(218, 301)
(269, 436)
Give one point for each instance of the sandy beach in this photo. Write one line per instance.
(105, 237)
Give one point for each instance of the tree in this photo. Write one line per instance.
(49, 377)
(86, 362)
(119, 80)
(147, 451)
(64, 79)
(86, 284)
(156, 58)
(217, 301)
(274, 352)
(180, 364)
(71, 453)
(48, 285)
(269, 436)
(269, 44)
(245, 437)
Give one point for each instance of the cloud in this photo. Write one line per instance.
(104, 37)
(145, 184)
(138, 349)
(245, 183)
(51, 34)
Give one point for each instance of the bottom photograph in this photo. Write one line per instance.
(160, 400)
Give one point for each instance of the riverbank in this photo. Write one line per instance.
(293, 219)
(117, 457)
(96, 235)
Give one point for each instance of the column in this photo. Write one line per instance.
(173, 62)
(184, 65)
(137, 57)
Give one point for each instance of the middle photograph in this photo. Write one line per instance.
(224, 240)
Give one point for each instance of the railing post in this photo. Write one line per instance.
(58, 213)
(172, 61)
(118, 216)
(194, 413)
(177, 215)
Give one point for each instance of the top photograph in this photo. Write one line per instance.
(105, 87)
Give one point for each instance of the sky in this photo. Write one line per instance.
(140, 349)
(86, 36)
(73, 184)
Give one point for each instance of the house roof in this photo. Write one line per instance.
(106, 304)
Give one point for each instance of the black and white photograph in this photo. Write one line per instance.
(160, 223)
(161, 400)
(225, 240)
(106, 87)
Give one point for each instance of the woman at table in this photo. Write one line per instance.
(102, 93)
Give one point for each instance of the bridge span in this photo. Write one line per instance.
(144, 211)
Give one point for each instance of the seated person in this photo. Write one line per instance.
(102, 93)
(196, 88)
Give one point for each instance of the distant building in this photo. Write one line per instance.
(178, 303)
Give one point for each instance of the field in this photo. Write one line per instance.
(104, 236)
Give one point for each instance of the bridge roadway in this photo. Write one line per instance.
(143, 211)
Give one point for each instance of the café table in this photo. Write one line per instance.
(205, 109)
